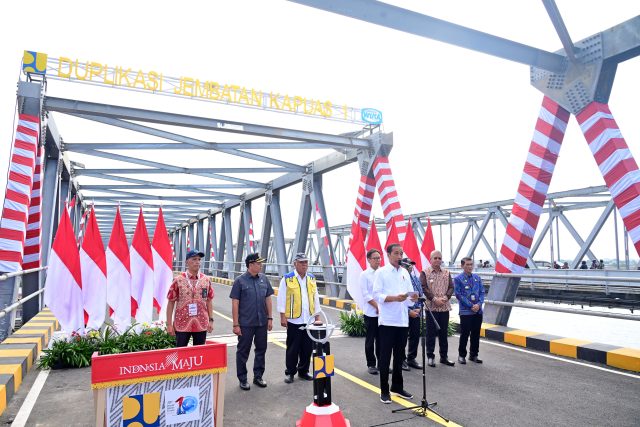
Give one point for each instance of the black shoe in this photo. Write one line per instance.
(431, 362)
(447, 362)
(415, 365)
(260, 382)
(461, 360)
(475, 359)
(402, 393)
(405, 366)
(373, 370)
(305, 376)
(385, 398)
(288, 379)
(245, 385)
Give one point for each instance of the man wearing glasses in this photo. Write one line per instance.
(438, 288)
(251, 311)
(370, 309)
(394, 293)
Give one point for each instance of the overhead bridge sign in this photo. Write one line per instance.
(153, 81)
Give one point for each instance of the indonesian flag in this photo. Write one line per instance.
(373, 242)
(119, 276)
(392, 237)
(141, 273)
(94, 275)
(428, 246)
(410, 246)
(356, 264)
(63, 287)
(162, 261)
(252, 241)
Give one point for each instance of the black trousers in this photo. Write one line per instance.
(372, 341)
(182, 338)
(393, 340)
(251, 335)
(414, 338)
(299, 348)
(470, 324)
(442, 317)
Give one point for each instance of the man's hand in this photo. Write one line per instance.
(170, 329)
(437, 302)
(210, 326)
(414, 313)
(401, 297)
(283, 320)
(414, 297)
(269, 324)
(237, 330)
(475, 308)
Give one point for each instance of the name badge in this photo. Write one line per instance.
(193, 309)
(466, 287)
(473, 297)
(204, 293)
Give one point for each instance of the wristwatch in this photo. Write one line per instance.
(210, 319)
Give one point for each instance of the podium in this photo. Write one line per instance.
(160, 387)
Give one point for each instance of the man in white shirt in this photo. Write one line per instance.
(393, 291)
(370, 309)
(297, 302)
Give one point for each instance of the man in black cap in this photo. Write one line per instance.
(297, 302)
(251, 311)
(191, 294)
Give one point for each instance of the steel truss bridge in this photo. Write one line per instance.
(575, 80)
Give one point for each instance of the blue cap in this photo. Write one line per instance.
(194, 252)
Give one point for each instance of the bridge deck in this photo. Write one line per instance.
(513, 387)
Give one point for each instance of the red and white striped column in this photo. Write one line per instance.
(252, 240)
(31, 258)
(534, 186)
(364, 204)
(616, 163)
(15, 211)
(389, 196)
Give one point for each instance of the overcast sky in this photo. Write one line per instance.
(462, 121)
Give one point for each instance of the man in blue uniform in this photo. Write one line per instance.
(470, 294)
(251, 311)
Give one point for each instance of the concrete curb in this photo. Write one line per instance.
(343, 304)
(615, 356)
(20, 350)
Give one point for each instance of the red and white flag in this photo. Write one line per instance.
(141, 273)
(63, 287)
(410, 247)
(252, 240)
(323, 234)
(94, 275)
(119, 276)
(162, 261)
(392, 237)
(373, 242)
(428, 246)
(356, 264)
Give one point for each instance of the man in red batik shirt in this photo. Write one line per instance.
(191, 295)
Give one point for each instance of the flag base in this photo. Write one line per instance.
(322, 416)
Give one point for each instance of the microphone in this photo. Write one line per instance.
(423, 299)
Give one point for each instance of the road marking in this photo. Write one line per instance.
(626, 374)
(223, 316)
(28, 404)
(376, 390)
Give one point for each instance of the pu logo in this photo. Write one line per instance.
(141, 410)
(323, 366)
(34, 62)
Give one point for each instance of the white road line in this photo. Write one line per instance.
(548, 356)
(30, 401)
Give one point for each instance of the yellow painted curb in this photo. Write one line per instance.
(518, 337)
(624, 358)
(16, 371)
(566, 347)
(17, 352)
(22, 331)
(484, 327)
(3, 398)
(34, 340)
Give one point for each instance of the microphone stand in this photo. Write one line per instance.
(425, 406)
